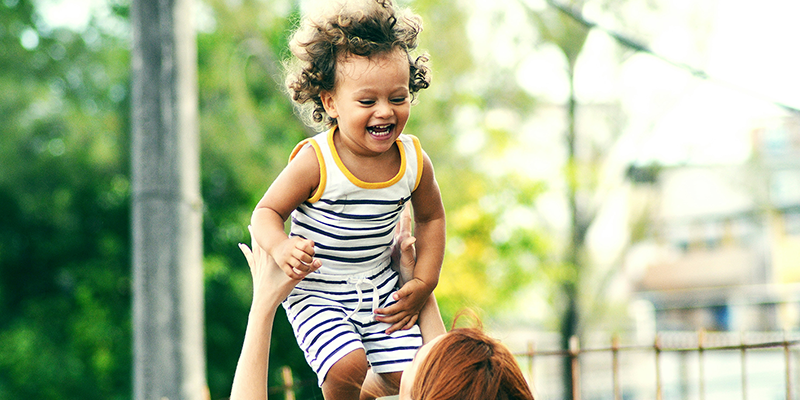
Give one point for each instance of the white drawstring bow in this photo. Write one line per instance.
(357, 282)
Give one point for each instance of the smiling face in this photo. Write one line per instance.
(370, 101)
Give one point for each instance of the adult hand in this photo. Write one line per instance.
(404, 257)
(270, 288)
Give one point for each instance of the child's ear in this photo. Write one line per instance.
(329, 104)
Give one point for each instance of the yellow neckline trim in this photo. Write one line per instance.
(358, 182)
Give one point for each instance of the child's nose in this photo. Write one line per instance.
(384, 110)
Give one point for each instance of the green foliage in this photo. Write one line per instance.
(491, 253)
(64, 289)
(490, 257)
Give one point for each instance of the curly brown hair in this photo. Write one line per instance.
(337, 29)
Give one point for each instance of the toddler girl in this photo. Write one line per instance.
(345, 189)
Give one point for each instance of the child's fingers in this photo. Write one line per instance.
(398, 325)
(304, 253)
(290, 271)
(388, 314)
(303, 269)
(306, 246)
(404, 291)
(411, 322)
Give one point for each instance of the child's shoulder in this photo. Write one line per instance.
(409, 139)
(309, 145)
(305, 154)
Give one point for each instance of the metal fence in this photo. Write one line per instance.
(676, 365)
(694, 365)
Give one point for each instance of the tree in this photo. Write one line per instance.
(570, 37)
(166, 205)
(64, 287)
(558, 24)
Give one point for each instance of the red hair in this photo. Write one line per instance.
(467, 364)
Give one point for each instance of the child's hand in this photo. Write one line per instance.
(404, 313)
(270, 284)
(295, 256)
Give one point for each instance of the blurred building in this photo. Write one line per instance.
(723, 245)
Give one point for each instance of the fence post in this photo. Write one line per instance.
(743, 344)
(531, 354)
(701, 338)
(683, 368)
(657, 347)
(288, 383)
(788, 354)
(615, 366)
(574, 351)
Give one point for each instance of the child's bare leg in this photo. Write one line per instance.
(378, 385)
(345, 378)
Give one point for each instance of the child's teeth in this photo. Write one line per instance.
(380, 129)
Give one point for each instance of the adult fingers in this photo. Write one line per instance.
(248, 254)
(404, 226)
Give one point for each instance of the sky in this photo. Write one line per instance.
(747, 47)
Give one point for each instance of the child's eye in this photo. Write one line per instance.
(398, 100)
(367, 102)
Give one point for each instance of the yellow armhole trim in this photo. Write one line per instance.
(418, 149)
(368, 185)
(323, 175)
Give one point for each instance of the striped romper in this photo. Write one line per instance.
(352, 224)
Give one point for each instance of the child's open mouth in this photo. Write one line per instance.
(380, 130)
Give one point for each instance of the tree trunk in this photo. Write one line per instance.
(571, 288)
(168, 340)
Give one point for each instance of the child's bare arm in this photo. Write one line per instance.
(295, 256)
(429, 230)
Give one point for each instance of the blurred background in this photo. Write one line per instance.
(608, 167)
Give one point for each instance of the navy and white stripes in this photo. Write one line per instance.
(352, 222)
(357, 238)
(352, 225)
(328, 324)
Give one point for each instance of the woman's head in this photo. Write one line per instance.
(335, 30)
(465, 364)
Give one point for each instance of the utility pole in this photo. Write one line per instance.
(168, 340)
